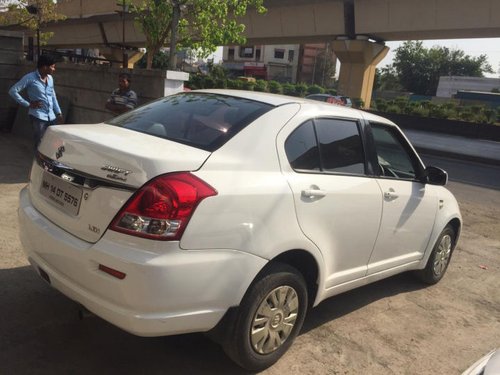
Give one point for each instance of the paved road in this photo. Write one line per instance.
(467, 172)
(457, 147)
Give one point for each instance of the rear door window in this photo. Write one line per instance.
(326, 145)
(341, 149)
(202, 120)
(302, 148)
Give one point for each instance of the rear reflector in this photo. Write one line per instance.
(112, 272)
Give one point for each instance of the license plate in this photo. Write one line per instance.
(65, 196)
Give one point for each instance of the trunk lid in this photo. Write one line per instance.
(84, 174)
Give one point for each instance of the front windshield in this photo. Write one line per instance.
(202, 120)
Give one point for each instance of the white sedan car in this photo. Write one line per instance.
(231, 213)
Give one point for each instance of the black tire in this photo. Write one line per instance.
(247, 350)
(440, 257)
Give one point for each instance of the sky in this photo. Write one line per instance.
(473, 47)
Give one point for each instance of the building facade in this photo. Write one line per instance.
(271, 62)
(450, 85)
(282, 62)
(317, 64)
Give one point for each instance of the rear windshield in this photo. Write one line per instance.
(202, 120)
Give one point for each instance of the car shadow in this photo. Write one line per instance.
(345, 303)
(16, 155)
(40, 332)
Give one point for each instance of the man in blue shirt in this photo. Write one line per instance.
(42, 102)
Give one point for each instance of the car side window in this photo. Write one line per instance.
(341, 149)
(302, 148)
(393, 158)
(327, 145)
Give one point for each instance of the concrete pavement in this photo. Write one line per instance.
(455, 147)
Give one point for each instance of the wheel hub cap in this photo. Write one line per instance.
(274, 320)
(442, 255)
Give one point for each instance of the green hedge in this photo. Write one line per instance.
(425, 108)
(201, 81)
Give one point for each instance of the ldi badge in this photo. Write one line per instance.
(94, 229)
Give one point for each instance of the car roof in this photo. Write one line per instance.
(263, 97)
(277, 100)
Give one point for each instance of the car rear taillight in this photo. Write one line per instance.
(161, 209)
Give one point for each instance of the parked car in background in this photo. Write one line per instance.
(332, 99)
(231, 213)
(346, 100)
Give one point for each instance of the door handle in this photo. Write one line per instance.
(313, 193)
(391, 194)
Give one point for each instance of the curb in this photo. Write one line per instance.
(456, 155)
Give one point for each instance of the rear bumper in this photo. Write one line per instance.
(167, 290)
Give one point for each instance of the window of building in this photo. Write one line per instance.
(246, 51)
(257, 54)
(291, 55)
(279, 53)
(230, 54)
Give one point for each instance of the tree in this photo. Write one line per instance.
(160, 61)
(419, 68)
(324, 68)
(33, 14)
(198, 24)
(386, 78)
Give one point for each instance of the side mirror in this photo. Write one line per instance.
(435, 176)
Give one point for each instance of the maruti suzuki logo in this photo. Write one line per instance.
(59, 152)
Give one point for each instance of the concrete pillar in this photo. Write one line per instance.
(358, 60)
(134, 57)
(116, 54)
